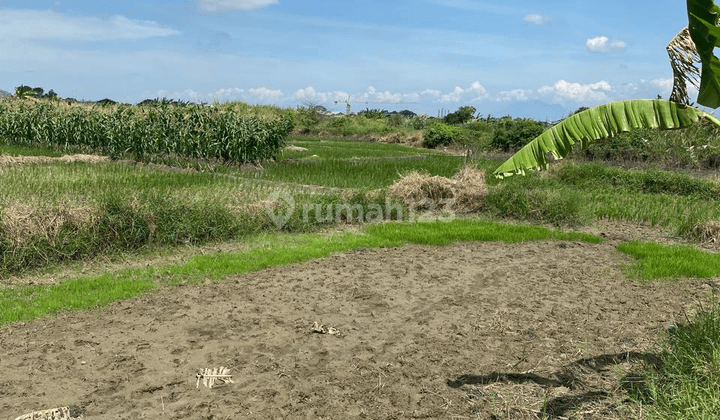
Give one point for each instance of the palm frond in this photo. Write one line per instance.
(597, 123)
(683, 56)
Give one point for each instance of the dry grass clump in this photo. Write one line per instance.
(296, 149)
(20, 222)
(707, 231)
(22, 160)
(463, 193)
(470, 190)
(414, 139)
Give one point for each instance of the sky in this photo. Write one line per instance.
(539, 58)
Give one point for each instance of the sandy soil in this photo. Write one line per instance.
(475, 330)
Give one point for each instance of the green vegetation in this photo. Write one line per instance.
(65, 211)
(509, 134)
(348, 149)
(11, 150)
(30, 302)
(685, 382)
(439, 134)
(355, 173)
(655, 261)
(471, 230)
(578, 193)
(597, 123)
(195, 131)
(696, 147)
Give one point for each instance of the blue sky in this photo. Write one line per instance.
(539, 58)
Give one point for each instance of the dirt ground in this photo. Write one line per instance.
(468, 331)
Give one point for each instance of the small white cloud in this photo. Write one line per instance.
(664, 84)
(220, 5)
(265, 94)
(476, 89)
(48, 25)
(602, 44)
(514, 95)
(577, 92)
(536, 19)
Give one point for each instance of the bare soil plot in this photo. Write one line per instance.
(472, 330)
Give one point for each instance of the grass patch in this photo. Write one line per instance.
(648, 181)
(470, 230)
(13, 150)
(685, 384)
(654, 261)
(348, 149)
(362, 174)
(31, 302)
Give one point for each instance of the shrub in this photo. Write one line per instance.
(517, 201)
(461, 116)
(374, 114)
(510, 135)
(439, 134)
(396, 120)
(419, 122)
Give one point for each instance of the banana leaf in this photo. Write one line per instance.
(597, 123)
(702, 22)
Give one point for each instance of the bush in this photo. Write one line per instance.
(419, 122)
(439, 134)
(517, 201)
(373, 114)
(461, 116)
(396, 120)
(510, 135)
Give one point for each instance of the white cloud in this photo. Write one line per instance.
(264, 94)
(220, 5)
(309, 94)
(514, 95)
(577, 92)
(48, 25)
(476, 90)
(665, 85)
(602, 44)
(536, 19)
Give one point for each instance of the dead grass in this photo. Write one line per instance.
(415, 139)
(463, 193)
(296, 149)
(21, 222)
(707, 232)
(6, 160)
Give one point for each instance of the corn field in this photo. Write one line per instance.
(193, 131)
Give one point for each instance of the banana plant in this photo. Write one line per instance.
(693, 44)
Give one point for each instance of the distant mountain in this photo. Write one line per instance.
(4, 93)
(537, 110)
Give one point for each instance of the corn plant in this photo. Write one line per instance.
(192, 131)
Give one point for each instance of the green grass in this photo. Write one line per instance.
(685, 384)
(12, 150)
(363, 174)
(31, 302)
(654, 261)
(349, 149)
(469, 230)
(571, 196)
(647, 181)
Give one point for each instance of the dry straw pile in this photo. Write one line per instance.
(21, 222)
(463, 193)
(21, 160)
